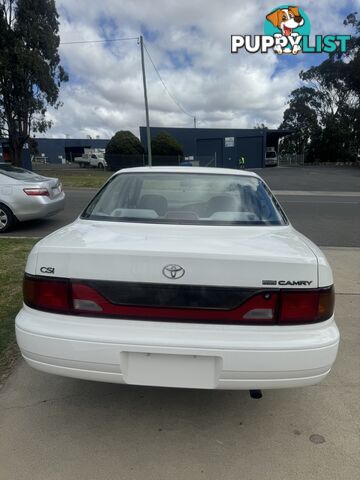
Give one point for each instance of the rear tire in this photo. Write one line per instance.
(7, 219)
(101, 166)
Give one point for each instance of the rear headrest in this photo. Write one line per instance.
(222, 203)
(154, 202)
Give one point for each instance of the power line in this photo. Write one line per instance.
(82, 42)
(164, 85)
(100, 41)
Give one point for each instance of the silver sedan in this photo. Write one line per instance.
(25, 195)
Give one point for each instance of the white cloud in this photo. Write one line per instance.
(105, 90)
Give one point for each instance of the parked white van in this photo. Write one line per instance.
(271, 159)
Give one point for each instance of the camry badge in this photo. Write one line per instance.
(173, 271)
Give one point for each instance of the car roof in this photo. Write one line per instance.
(189, 170)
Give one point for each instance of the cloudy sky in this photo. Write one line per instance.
(189, 42)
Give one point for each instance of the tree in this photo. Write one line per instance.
(165, 144)
(30, 70)
(260, 126)
(324, 112)
(125, 143)
(33, 147)
(353, 53)
(301, 118)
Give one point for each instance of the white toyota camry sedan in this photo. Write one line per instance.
(180, 277)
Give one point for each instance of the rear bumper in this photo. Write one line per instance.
(40, 207)
(244, 357)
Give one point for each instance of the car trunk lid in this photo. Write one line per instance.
(53, 185)
(240, 256)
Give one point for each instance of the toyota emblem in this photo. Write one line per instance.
(173, 271)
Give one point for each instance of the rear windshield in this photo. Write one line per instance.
(19, 173)
(184, 198)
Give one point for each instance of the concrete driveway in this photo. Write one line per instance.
(54, 428)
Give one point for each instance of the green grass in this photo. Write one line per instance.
(13, 255)
(78, 178)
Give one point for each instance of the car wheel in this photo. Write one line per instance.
(6, 219)
(101, 166)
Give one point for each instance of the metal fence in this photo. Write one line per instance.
(207, 161)
(291, 159)
(117, 162)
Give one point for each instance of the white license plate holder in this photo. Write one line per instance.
(170, 370)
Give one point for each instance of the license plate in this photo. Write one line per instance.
(163, 370)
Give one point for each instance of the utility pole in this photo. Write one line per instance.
(146, 103)
(194, 122)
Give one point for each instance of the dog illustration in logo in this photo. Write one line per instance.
(286, 20)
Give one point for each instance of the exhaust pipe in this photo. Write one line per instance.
(255, 394)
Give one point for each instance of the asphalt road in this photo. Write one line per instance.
(321, 179)
(327, 220)
(76, 201)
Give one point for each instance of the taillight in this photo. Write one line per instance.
(47, 294)
(326, 304)
(265, 307)
(35, 192)
(304, 306)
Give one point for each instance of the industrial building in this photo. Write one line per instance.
(54, 150)
(222, 147)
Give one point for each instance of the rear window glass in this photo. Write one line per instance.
(19, 173)
(270, 154)
(183, 198)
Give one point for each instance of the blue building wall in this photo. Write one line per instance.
(211, 142)
(205, 143)
(52, 148)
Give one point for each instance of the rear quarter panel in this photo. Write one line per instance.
(325, 275)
